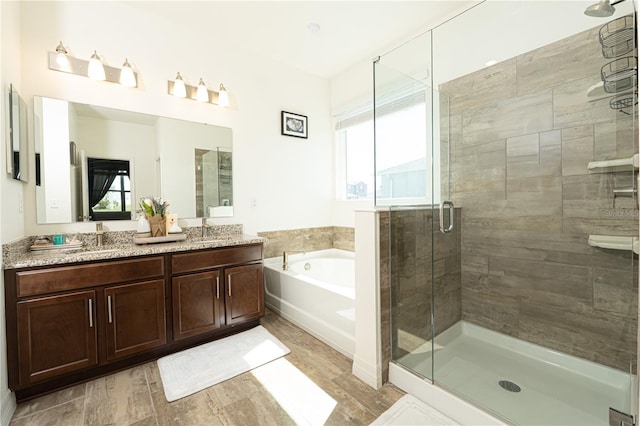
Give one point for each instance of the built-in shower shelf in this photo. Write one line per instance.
(612, 242)
(617, 165)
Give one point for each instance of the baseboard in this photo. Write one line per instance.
(366, 372)
(7, 409)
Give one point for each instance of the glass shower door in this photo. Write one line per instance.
(411, 154)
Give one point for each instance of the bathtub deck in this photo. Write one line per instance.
(551, 393)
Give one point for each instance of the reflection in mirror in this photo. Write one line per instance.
(109, 189)
(159, 152)
(214, 182)
(17, 158)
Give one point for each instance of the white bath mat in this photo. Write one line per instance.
(409, 410)
(190, 371)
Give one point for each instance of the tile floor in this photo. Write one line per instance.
(311, 371)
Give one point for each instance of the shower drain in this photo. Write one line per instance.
(510, 386)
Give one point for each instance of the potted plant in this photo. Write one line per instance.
(155, 211)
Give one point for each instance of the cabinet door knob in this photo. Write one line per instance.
(229, 279)
(218, 287)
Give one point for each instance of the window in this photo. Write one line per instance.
(109, 189)
(354, 142)
(401, 158)
(403, 154)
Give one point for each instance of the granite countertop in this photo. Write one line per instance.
(13, 259)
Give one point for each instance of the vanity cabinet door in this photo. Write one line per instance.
(244, 288)
(135, 316)
(198, 304)
(56, 335)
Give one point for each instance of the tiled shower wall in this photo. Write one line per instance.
(308, 239)
(522, 133)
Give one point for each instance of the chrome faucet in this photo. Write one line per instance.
(99, 234)
(205, 225)
(285, 258)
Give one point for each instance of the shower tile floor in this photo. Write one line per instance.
(555, 391)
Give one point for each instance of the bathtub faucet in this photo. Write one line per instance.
(285, 258)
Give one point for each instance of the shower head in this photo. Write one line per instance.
(602, 9)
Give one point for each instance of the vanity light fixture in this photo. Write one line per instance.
(61, 56)
(60, 60)
(180, 89)
(202, 94)
(96, 69)
(127, 77)
(223, 96)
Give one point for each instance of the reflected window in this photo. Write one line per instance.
(109, 189)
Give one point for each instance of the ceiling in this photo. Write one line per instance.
(350, 31)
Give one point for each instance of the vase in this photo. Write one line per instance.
(157, 223)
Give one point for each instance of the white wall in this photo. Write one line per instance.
(279, 182)
(11, 218)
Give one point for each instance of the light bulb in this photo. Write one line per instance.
(223, 96)
(202, 94)
(127, 77)
(179, 89)
(96, 69)
(61, 57)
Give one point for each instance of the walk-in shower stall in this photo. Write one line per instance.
(507, 163)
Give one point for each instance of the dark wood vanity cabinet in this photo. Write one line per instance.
(74, 322)
(65, 316)
(210, 292)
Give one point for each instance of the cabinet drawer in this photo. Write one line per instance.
(207, 259)
(42, 281)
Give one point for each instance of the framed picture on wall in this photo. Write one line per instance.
(294, 124)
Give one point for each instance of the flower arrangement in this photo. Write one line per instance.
(155, 210)
(151, 206)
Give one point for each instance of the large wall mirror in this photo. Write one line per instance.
(95, 163)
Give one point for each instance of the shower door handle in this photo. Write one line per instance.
(451, 217)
